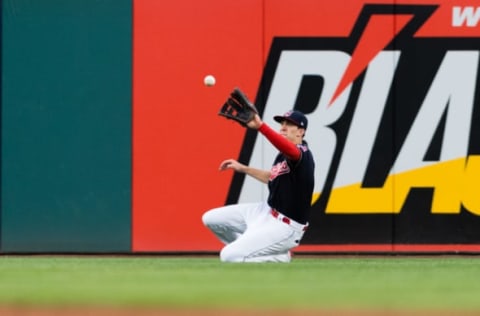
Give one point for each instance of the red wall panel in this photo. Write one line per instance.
(178, 139)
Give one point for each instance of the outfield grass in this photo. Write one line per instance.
(404, 283)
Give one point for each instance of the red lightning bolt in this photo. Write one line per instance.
(376, 36)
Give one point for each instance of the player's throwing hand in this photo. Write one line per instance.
(231, 164)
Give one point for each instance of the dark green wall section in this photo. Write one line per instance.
(66, 126)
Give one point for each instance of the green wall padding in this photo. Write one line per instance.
(66, 126)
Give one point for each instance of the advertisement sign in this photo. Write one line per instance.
(391, 91)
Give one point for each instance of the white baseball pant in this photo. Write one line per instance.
(252, 234)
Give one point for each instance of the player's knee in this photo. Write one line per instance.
(230, 254)
(207, 219)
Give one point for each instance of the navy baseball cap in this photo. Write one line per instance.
(295, 117)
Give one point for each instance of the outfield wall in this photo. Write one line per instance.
(66, 126)
(111, 142)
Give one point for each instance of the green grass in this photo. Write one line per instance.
(403, 283)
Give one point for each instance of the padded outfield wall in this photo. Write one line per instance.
(66, 126)
(111, 143)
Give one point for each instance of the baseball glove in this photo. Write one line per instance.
(238, 108)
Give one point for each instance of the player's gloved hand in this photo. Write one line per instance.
(255, 123)
(239, 108)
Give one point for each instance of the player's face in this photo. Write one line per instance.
(292, 132)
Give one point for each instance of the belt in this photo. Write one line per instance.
(287, 220)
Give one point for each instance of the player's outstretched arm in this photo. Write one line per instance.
(260, 175)
(288, 148)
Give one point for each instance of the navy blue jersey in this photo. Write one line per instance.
(291, 185)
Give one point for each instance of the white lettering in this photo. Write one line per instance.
(366, 120)
(451, 94)
(453, 88)
(465, 16)
(291, 68)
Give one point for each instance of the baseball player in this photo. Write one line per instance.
(266, 231)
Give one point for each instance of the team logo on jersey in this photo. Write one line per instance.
(395, 121)
(279, 169)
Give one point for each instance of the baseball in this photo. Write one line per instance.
(209, 81)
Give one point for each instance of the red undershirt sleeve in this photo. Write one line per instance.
(288, 148)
